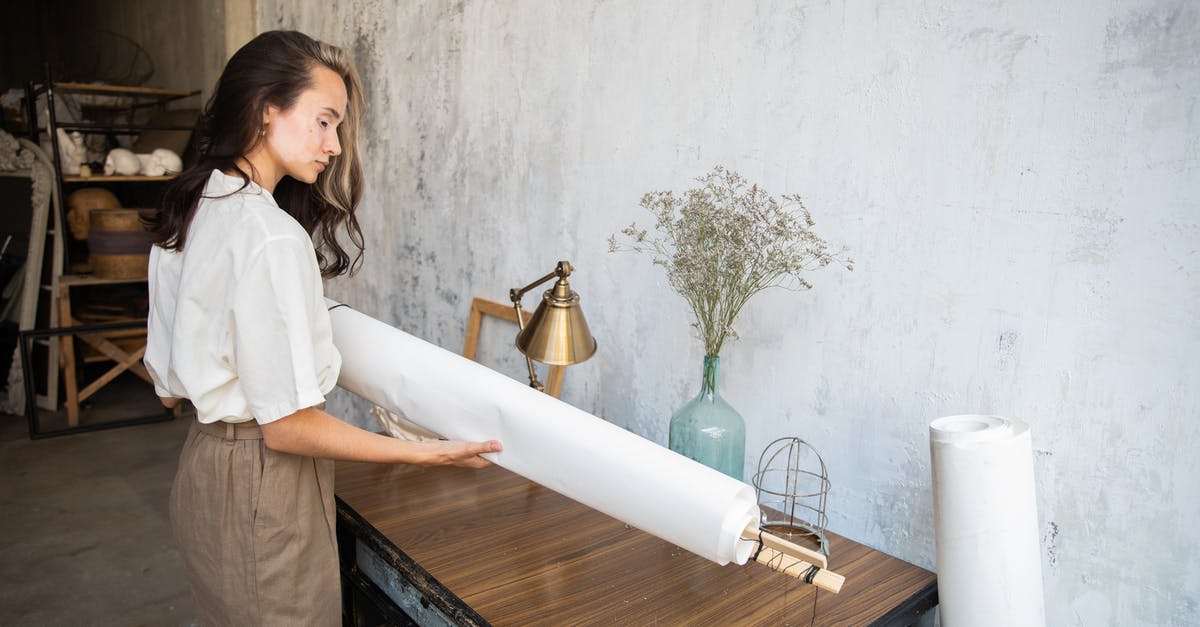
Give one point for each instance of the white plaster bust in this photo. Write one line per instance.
(71, 151)
(160, 162)
(167, 160)
(121, 161)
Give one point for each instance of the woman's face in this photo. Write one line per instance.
(302, 139)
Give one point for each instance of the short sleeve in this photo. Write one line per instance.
(276, 328)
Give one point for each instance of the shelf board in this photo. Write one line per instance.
(75, 280)
(100, 178)
(122, 90)
(121, 129)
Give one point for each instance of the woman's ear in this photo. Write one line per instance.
(269, 113)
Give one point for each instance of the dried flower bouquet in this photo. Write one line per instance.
(725, 241)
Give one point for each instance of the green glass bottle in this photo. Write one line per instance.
(708, 430)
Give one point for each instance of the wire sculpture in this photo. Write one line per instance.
(107, 56)
(791, 485)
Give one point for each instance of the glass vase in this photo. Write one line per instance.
(708, 430)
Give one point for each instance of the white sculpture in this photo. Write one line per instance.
(167, 161)
(121, 162)
(160, 162)
(71, 151)
(148, 167)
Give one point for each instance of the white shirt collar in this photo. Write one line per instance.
(220, 184)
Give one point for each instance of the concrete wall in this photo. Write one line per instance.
(1017, 182)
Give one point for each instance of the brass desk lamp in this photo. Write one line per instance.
(557, 333)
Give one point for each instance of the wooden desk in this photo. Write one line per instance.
(486, 546)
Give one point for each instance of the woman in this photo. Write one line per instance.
(239, 326)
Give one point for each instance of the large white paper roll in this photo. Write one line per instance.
(985, 511)
(546, 440)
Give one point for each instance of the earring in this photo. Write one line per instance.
(262, 132)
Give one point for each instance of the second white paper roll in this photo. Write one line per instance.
(989, 565)
(546, 440)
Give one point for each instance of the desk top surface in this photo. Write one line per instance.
(517, 553)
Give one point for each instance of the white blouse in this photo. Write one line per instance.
(238, 322)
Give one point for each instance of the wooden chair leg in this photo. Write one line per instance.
(67, 356)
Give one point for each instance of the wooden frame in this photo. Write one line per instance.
(481, 307)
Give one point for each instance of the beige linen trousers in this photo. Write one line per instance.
(256, 530)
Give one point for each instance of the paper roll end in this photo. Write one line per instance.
(974, 428)
(733, 549)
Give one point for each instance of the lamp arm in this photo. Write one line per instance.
(533, 380)
(562, 271)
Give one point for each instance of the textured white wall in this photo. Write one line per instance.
(1017, 182)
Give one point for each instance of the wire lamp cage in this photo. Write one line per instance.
(791, 485)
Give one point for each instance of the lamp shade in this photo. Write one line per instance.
(557, 334)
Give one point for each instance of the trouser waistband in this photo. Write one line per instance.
(248, 430)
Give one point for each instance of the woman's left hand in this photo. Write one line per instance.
(315, 433)
(457, 453)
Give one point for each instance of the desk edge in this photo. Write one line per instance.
(438, 595)
(916, 605)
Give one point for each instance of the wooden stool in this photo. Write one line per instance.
(128, 357)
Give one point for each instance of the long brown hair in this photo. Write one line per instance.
(274, 69)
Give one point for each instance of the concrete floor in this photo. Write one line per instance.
(84, 535)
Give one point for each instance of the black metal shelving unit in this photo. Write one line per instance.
(126, 99)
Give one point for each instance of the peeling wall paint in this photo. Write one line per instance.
(1017, 182)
